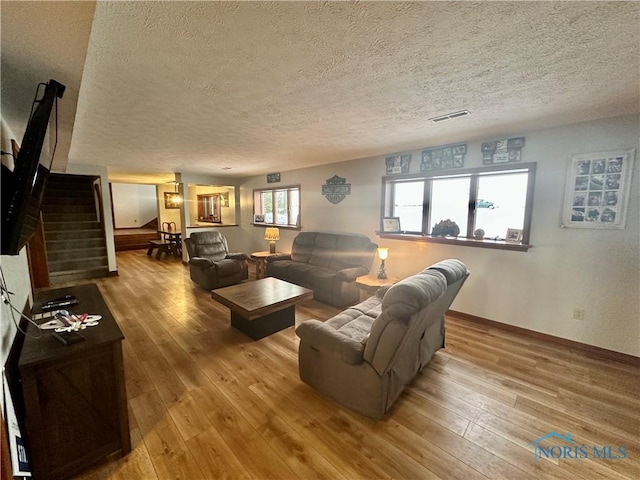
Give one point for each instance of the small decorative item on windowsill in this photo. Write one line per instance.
(391, 224)
(478, 234)
(514, 235)
(383, 252)
(272, 234)
(445, 228)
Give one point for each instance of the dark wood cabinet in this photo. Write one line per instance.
(73, 398)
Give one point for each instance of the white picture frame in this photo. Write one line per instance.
(597, 189)
(513, 235)
(391, 224)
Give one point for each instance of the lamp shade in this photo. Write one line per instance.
(272, 234)
(383, 253)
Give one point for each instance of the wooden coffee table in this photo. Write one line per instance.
(263, 307)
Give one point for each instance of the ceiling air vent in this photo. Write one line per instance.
(449, 116)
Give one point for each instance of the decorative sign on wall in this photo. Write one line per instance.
(172, 200)
(445, 157)
(506, 150)
(398, 164)
(336, 189)
(273, 177)
(597, 189)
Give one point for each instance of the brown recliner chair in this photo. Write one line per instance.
(210, 263)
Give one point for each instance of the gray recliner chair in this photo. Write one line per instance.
(210, 263)
(366, 355)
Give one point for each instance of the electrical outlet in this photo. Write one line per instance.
(579, 313)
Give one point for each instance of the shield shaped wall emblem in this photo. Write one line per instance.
(336, 189)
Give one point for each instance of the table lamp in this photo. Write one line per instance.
(383, 252)
(272, 234)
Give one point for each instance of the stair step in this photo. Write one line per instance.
(76, 243)
(76, 253)
(70, 225)
(75, 191)
(78, 264)
(69, 217)
(75, 275)
(57, 178)
(68, 208)
(74, 234)
(68, 201)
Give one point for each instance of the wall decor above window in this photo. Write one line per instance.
(273, 177)
(398, 164)
(444, 157)
(597, 189)
(336, 189)
(502, 151)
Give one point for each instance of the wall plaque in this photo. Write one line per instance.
(507, 150)
(273, 177)
(398, 164)
(445, 157)
(336, 189)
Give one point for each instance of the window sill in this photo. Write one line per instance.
(269, 225)
(211, 225)
(459, 241)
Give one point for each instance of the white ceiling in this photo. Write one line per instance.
(246, 88)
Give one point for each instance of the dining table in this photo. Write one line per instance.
(174, 237)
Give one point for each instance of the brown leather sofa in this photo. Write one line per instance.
(327, 263)
(210, 263)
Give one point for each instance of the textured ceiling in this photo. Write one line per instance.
(33, 50)
(272, 86)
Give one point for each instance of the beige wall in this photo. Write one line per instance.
(167, 214)
(596, 270)
(591, 269)
(228, 212)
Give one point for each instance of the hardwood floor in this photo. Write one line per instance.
(207, 402)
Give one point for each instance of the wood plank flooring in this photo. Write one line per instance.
(207, 402)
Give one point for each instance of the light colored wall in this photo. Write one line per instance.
(228, 212)
(166, 214)
(596, 270)
(15, 270)
(191, 182)
(134, 205)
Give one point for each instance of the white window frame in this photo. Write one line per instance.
(389, 183)
(293, 217)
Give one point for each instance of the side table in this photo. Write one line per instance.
(369, 284)
(261, 262)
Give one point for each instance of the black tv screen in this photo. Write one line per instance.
(23, 187)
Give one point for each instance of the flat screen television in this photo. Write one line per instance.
(23, 187)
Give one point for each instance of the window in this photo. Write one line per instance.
(277, 206)
(493, 199)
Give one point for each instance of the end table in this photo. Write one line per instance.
(261, 262)
(369, 284)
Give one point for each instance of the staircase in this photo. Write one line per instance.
(75, 240)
